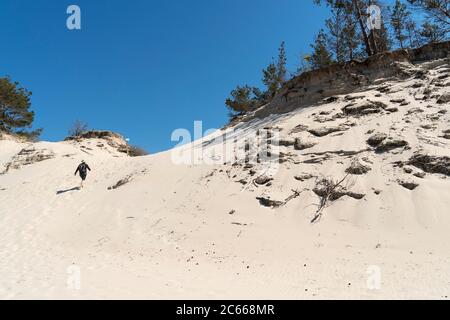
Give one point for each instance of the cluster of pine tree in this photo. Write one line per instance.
(349, 34)
(246, 98)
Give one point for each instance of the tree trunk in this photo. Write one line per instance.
(375, 47)
(359, 16)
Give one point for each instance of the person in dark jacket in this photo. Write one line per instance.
(82, 169)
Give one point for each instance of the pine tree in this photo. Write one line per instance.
(246, 98)
(243, 99)
(431, 32)
(321, 56)
(275, 74)
(351, 38)
(336, 33)
(373, 41)
(15, 114)
(383, 38)
(271, 80)
(412, 34)
(400, 16)
(281, 64)
(437, 10)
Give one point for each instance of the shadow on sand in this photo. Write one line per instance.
(68, 190)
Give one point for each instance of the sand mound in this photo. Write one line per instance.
(353, 195)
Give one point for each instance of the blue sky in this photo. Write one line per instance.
(144, 68)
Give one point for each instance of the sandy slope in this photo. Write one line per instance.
(168, 233)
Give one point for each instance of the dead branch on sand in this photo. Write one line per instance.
(266, 202)
(328, 191)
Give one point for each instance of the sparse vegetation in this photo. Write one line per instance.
(121, 183)
(78, 128)
(27, 156)
(136, 151)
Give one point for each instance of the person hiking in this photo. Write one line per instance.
(82, 169)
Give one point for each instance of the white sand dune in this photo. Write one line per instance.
(194, 231)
